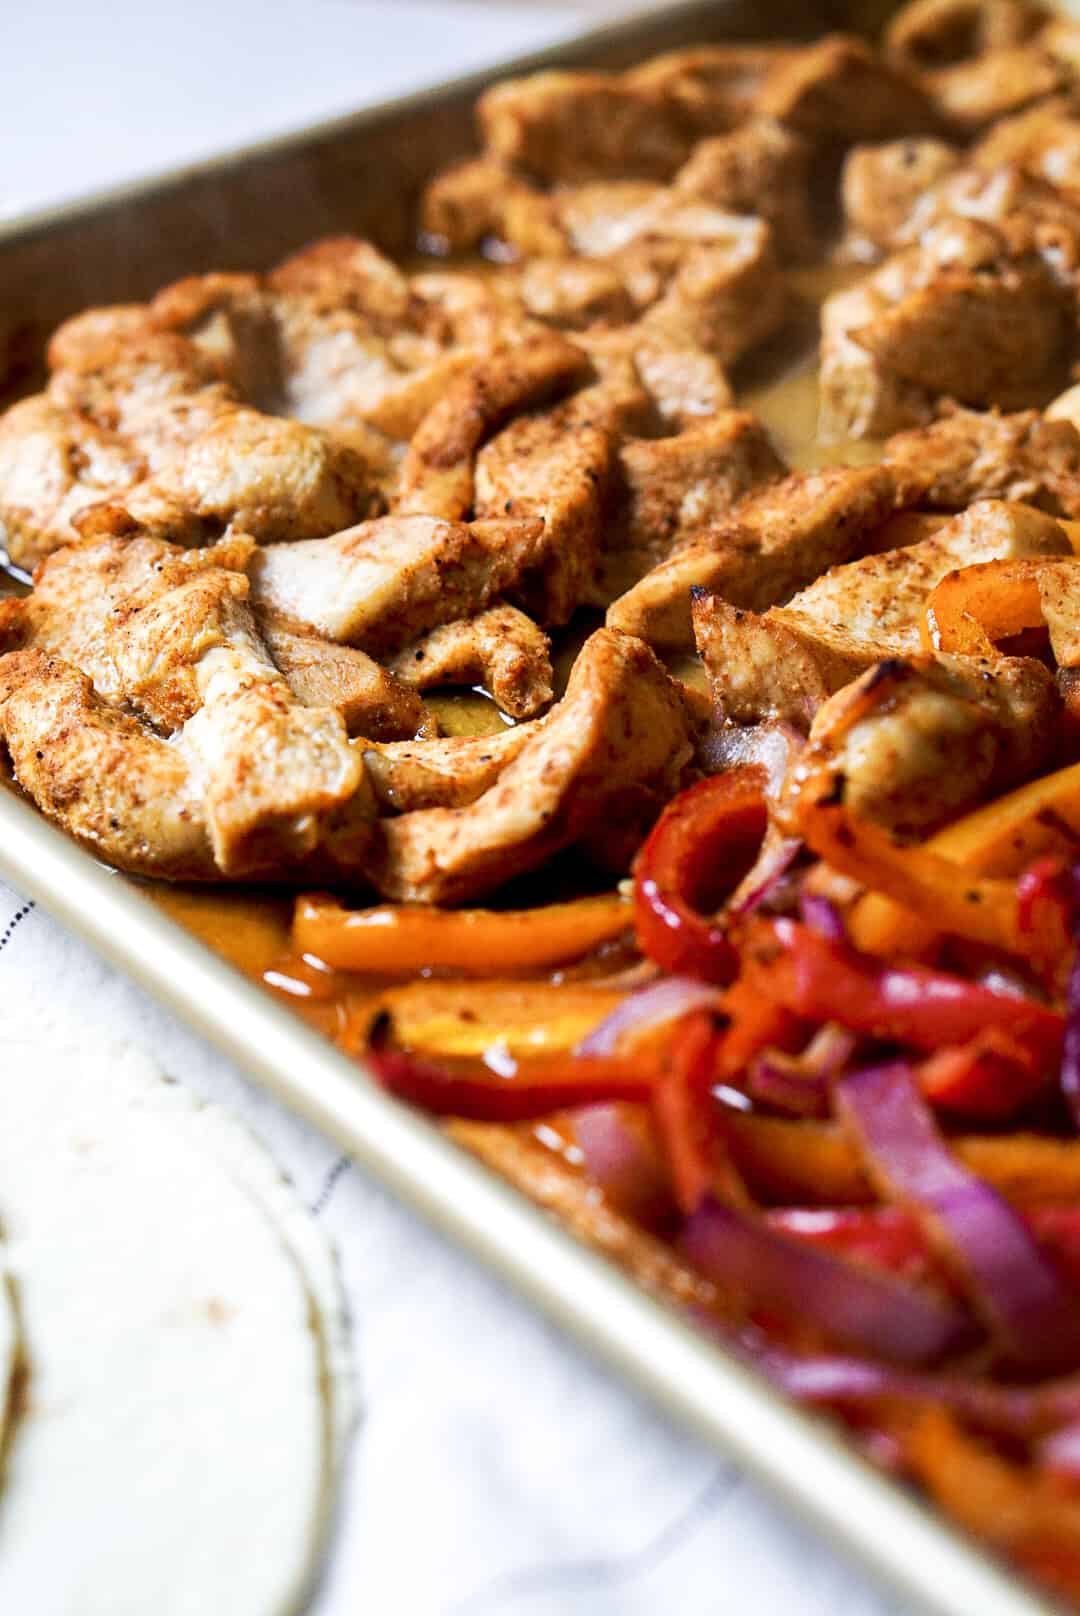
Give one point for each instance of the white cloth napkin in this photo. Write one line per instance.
(494, 1470)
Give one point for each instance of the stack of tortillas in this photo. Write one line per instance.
(173, 1348)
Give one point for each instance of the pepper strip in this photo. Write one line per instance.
(714, 828)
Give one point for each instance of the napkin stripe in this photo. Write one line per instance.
(583, 1574)
(19, 915)
(342, 1165)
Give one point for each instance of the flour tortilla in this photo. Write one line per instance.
(185, 1395)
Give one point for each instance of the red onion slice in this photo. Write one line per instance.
(1070, 1049)
(779, 1081)
(863, 1309)
(621, 1160)
(1016, 1288)
(777, 855)
(667, 1000)
(1060, 1453)
(823, 916)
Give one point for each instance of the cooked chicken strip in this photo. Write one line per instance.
(784, 664)
(171, 635)
(969, 455)
(501, 649)
(613, 749)
(926, 34)
(129, 612)
(883, 186)
(914, 743)
(971, 95)
(961, 315)
(672, 488)
(761, 168)
(371, 701)
(53, 464)
(560, 470)
(281, 782)
(437, 474)
(838, 90)
(272, 478)
(573, 126)
(778, 539)
(125, 793)
(448, 772)
(382, 584)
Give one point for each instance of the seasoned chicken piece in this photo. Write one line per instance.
(883, 186)
(715, 86)
(272, 478)
(968, 455)
(53, 464)
(447, 772)
(838, 90)
(914, 743)
(139, 615)
(983, 339)
(778, 539)
(136, 615)
(437, 473)
(928, 34)
(119, 789)
(858, 397)
(672, 488)
(382, 584)
(573, 293)
(559, 469)
(960, 315)
(371, 701)
(252, 781)
(611, 751)
(281, 783)
(784, 664)
(1044, 141)
(154, 388)
(472, 201)
(684, 384)
(501, 649)
(761, 167)
(230, 320)
(577, 126)
(973, 94)
(728, 293)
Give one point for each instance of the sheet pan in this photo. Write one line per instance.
(243, 210)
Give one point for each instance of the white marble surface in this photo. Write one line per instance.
(495, 1471)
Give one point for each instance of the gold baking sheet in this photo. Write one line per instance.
(243, 210)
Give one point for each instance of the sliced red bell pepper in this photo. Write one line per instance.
(1046, 907)
(688, 1120)
(906, 1004)
(698, 851)
(532, 1090)
(989, 1077)
(755, 1023)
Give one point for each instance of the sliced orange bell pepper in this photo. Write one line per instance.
(974, 606)
(401, 939)
(1000, 838)
(462, 1020)
(981, 908)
